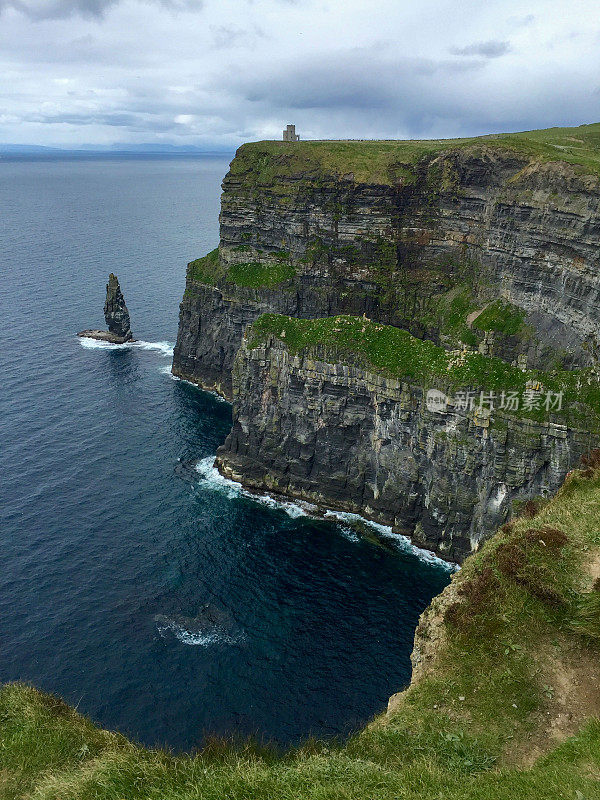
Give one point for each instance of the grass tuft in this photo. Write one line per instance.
(523, 559)
(586, 616)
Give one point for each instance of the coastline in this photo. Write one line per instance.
(296, 506)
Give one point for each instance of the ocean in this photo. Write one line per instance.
(160, 599)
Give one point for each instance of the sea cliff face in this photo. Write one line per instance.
(486, 246)
(478, 223)
(345, 437)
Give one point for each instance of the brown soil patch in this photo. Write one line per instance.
(593, 566)
(572, 675)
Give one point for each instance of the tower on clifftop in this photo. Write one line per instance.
(290, 135)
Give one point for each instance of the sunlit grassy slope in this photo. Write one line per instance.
(504, 706)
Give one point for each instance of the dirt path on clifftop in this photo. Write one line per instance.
(573, 689)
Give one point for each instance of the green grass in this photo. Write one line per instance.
(503, 317)
(388, 162)
(452, 315)
(586, 615)
(261, 275)
(209, 270)
(398, 354)
(460, 733)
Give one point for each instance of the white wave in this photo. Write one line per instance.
(164, 348)
(403, 543)
(217, 396)
(98, 344)
(195, 638)
(348, 533)
(211, 478)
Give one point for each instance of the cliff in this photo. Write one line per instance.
(318, 417)
(485, 246)
(504, 701)
(413, 234)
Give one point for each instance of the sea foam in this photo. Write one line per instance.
(211, 478)
(164, 348)
(403, 543)
(196, 637)
(167, 371)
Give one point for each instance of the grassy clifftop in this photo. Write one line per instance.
(396, 353)
(504, 704)
(387, 162)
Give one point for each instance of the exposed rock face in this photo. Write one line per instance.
(115, 314)
(115, 310)
(492, 220)
(430, 640)
(342, 437)
(213, 320)
(479, 223)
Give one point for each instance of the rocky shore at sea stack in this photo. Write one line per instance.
(116, 316)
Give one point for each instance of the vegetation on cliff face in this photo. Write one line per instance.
(502, 317)
(255, 274)
(504, 703)
(392, 162)
(396, 353)
(206, 269)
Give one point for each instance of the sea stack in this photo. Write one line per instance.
(115, 314)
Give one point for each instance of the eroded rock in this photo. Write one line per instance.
(115, 314)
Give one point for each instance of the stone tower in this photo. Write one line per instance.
(290, 135)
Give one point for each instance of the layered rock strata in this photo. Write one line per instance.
(495, 223)
(345, 437)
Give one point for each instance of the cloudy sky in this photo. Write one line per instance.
(215, 73)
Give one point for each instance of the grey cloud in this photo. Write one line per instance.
(352, 94)
(354, 79)
(491, 49)
(60, 9)
(226, 36)
(113, 119)
(117, 119)
(56, 9)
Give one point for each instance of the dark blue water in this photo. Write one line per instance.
(162, 603)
